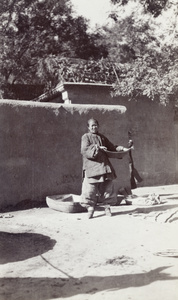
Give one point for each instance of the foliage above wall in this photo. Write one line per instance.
(155, 7)
(44, 42)
(143, 42)
(33, 31)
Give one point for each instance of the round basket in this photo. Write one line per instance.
(116, 154)
(64, 203)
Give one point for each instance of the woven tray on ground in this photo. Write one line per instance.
(65, 203)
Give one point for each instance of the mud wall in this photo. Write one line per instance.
(40, 148)
(40, 142)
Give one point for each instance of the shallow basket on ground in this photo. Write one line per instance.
(67, 203)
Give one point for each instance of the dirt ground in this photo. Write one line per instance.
(133, 255)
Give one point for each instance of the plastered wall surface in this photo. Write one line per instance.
(40, 147)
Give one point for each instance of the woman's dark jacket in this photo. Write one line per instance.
(95, 161)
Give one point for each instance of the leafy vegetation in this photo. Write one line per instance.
(145, 50)
(44, 42)
(155, 7)
(34, 31)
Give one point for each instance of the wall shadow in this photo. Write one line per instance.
(20, 246)
(25, 205)
(45, 288)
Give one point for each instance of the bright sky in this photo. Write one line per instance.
(95, 10)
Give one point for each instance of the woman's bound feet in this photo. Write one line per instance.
(108, 212)
(91, 210)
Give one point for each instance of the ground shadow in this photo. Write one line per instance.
(173, 197)
(50, 288)
(135, 209)
(129, 212)
(101, 209)
(145, 209)
(24, 205)
(21, 246)
(159, 207)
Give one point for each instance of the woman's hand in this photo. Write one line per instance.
(103, 148)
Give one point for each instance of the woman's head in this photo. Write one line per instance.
(93, 125)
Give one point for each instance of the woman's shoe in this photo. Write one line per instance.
(108, 212)
(90, 212)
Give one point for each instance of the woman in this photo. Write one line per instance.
(98, 172)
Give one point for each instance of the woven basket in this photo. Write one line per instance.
(116, 154)
(65, 203)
